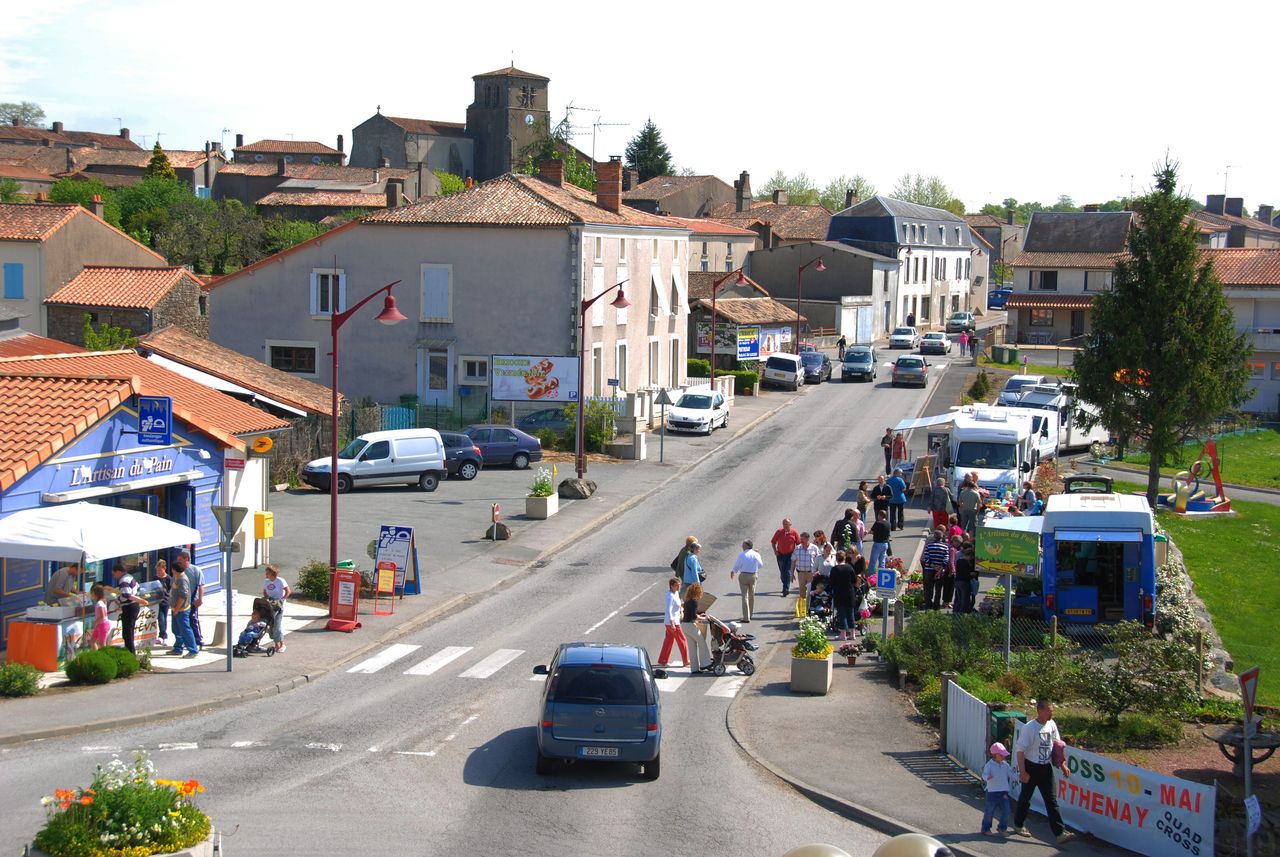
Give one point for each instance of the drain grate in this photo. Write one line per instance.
(515, 562)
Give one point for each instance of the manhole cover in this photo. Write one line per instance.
(515, 562)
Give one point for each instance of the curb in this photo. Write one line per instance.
(1139, 472)
(405, 627)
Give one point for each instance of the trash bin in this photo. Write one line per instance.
(348, 564)
(1005, 724)
(1000, 353)
(1012, 354)
(1162, 549)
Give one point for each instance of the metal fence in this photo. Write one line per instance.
(967, 728)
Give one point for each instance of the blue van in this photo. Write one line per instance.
(996, 298)
(600, 703)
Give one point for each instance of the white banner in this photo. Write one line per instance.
(534, 379)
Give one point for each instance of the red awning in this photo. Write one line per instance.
(1042, 301)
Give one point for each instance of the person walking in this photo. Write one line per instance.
(677, 564)
(954, 546)
(746, 567)
(672, 634)
(1027, 499)
(130, 604)
(842, 581)
(911, 319)
(898, 500)
(964, 343)
(840, 346)
(1035, 753)
(899, 449)
(805, 561)
(886, 444)
(975, 342)
(939, 502)
(997, 779)
(864, 499)
(859, 531)
(691, 622)
(162, 601)
(182, 562)
(180, 605)
(879, 542)
(100, 636)
(934, 562)
(784, 543)
(276, 590)
(692, 567)
(969, 501)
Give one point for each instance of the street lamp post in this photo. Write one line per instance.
(620, 302)
(715, 287)
(799, 284)
(389, 315)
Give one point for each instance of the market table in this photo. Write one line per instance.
(1230, 740)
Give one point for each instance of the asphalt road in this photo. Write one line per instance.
(429, 747)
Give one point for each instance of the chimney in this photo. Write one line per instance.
(1009, 217)
(340, 149)
(377, 176)
(742, 191)
(385, 163)
(1215, 203)
(551, 171)
(1091, 207)
(42, 197)
(217, 147)
(96, 205)
(57, 128)
(630, 179)
(208, 168)
(468, 182)
(1235, 206)
(71, 162)
(124, 133)
(1266, 214)
(780, 196)
(395, 189)
(281, 167)
(239, 141)
(609, 184)
(850, 198)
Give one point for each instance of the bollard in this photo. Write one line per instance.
(899, 617)
(1053, 630)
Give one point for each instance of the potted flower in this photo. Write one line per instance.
(811, 658)
(850, 651)
(542, 501)
(126, 810)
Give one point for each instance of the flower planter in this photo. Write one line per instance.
(200, 849)
(852, 660)
(541, 508)
(811, 675)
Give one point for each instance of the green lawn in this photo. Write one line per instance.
(1247, 459)
(1032, 369)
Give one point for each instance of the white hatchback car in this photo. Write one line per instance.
(904, 337)
(935, 342)
(700, 409)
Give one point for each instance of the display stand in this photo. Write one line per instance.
(922, 479)
(384, 588)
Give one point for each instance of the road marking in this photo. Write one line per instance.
(493, 663)
(316, 745)
(180, 745)
(726, 686)
(415, 752)
(389, 655)
(103, 749)
(536, 677)
(620, 609)
(373, 749)
(438, 660)
(673, 680)
(240, 745)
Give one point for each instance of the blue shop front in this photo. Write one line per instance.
(105, 464)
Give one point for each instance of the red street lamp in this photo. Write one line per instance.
(389, 315)
(799, 286)
(715, 287)
(620, 302)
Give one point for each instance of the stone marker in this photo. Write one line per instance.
(577, 489)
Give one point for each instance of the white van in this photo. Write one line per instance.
(400, 456)
(783, 370)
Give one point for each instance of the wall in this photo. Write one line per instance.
(28, 254)
(721, 249)
(696, 201)
(181, 307)
(1255, 309)
(247, 488)
(85, 240)
(66, 322)
(377, 137)
(454, 154)
(847, 273)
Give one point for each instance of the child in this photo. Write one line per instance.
(819, 600)
(997, 777)
(101, 635)
(252, 631)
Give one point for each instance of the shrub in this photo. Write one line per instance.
(1133, 731)
(542, 486)
(929, 699)
(933, 642)
(743, 381)
(597, 425)
(126, 662)
(981, 387)
(811, 639)
(984, 689)
(1052, 671)
(1176, 617)
(91, 667)
(698, 368)
(314, 580)
(549, 438)
(19, 680)
(1142, 672)
(1014, 683)
(1213, 710)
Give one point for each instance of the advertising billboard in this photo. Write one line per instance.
(522, 378)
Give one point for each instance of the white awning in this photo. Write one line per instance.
(922, 422)
(87, 532)
(1024, 524)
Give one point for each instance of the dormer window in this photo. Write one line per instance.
(942, 234)
(924, 234)
(958, 233)
(905, 235)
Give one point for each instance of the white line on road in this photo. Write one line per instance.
(317, 745)
(103, 749)
(536, 677)
(240, 745)
(673, 680)
(726, 686)
(415, 752)
(389, 655)
(620, 609)
(180, 745)
(438, 660)
(493, 663)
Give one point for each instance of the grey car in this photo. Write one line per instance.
(911, 369)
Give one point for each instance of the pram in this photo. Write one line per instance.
(732, 647)
(250, 642)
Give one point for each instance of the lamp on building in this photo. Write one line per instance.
(389, 315)
(715, 287)
(818, 266)
(620, 302)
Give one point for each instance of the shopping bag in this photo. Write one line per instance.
(802, 608)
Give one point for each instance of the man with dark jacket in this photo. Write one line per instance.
(844, 534)
(886, 444)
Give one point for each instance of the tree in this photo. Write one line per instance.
(1064, 203)
(1163, 358)
(927, 190)
(144, 207)
(1002, 272)
(800, 188)
(107, 337)
(83, 192)
(648, 154)
(159, 167)
(279, 233)
(554, 145)
(834, 192)
(10, 190)
(26, 113)
(449, 183)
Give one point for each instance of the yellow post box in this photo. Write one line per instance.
(264, 525)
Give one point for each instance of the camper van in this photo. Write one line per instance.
(995, 442)
(1063, 399)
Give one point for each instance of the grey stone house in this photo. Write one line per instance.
(683, 196)
(138, 299)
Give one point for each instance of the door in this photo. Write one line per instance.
(435, 376)
(374, 466)
(480, 437)
(1077, 322)
(503, 445)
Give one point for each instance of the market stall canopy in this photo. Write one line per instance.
(88, 532)
(1023, 524)
(940, 419)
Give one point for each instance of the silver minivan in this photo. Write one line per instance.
(399, 456)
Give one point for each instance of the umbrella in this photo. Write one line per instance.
(87, 532)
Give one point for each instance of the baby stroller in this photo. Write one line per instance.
(732, 647)
(250, 642)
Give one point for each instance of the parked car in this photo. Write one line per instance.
(600, 703)
(547, 418)
(505, 445)
(404, 456)
(960, 321)
(904, 337)
(1016, 386)
(461, 455)
(700, 409)
(935, 342)
(996, 298)
(859, 362)
(817, 367)
(911, 369)
(783, 370)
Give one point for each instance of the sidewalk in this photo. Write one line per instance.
(177, 687)
(863, 752)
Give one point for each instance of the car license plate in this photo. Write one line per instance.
(598, 751)
(772, 373)
(1078, 611)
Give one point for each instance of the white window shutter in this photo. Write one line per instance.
(342, 293)
(315, 293)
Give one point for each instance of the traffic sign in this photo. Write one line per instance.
(613, 382)
(1248, 691)
(664, 397)
(497, 512)
(887, 583)
(229, 518)
(155, 420)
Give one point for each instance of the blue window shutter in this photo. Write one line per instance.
(13, 281)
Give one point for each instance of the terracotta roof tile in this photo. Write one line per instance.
(788, 222)
(984, 221)
(428, 126)
(111, 180)
(311, 147)
(706, 226)
(1246, 266)
(119, 286)
(339, 198)
(24, 344)
(25, 221)
(35, 135)
(178, 158)
(700, 283)
(214, 413)
(317, 172)
(43, 158)
(22, 171)
(105, 141)
(751, 310)
(1226, 221)
(1046, 259)
(510, 71)
(176, 344)
(660, 187)
(43, 413)
(1038, 300)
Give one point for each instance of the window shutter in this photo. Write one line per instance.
(315, 293)
(342, 293)
(13, 289)
(437, 304)
(677, 297)
(597, 286)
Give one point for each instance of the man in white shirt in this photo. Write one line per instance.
(745, 568)
(1034, 752)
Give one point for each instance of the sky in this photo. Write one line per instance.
(999, 99)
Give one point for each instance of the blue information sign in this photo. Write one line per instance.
(155, 420)
(887, 582)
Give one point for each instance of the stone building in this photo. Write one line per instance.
(137, 299)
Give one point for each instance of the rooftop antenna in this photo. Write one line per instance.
(1226, 171)
(223, 142)
(119, 123)
(144, 141)
(600, 123)
(158, 133)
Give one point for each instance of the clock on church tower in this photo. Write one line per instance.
(508, 115)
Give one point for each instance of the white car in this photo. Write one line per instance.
(935, 342)
(904, 337)
(700, 409)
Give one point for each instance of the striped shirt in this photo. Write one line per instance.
(806, 558)
(936, 556)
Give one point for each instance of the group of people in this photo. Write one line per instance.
(969, 342)
(950, 569)
(1039, 751)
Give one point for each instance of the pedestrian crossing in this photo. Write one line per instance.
(393, 658)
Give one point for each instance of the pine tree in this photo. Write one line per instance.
(647, 154)
(1163, 358)
(159, 166)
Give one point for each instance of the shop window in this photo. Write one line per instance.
(1044, 281)
(1257, 369)
(1041, 318)
(295, 359)
(474, 370)
(328, 291)
(13, 290)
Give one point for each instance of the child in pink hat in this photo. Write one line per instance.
(997, 778)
